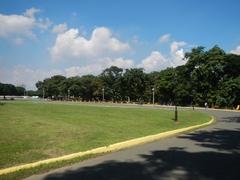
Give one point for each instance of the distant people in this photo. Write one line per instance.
(206, 105)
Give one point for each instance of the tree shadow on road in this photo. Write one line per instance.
(234, 119)
(220, 159)
(168, 164)
(219, 139)
(174, 163)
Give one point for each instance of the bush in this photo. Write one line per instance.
(221, 102)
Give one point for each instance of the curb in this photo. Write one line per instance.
(227, 110)
(105, 149)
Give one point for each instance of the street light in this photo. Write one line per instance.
(43, 93)
(68, 94)
(153, 96)
(176, 110)
(103, 94)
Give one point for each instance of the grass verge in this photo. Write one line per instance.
(34, 131)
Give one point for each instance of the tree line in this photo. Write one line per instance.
(210, 76)
(11, 90)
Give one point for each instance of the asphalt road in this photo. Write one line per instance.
(209, 153)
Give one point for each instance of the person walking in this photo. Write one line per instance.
(206, 105)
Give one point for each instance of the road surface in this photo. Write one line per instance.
(209, 153)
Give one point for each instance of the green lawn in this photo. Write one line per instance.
(31, 131)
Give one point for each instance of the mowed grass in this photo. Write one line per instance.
(31, 131)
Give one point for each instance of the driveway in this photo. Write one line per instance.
(209, 153)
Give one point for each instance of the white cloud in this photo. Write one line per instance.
(176, 45)
(97, 68)
(154, 62)
(165, 38)
(16, 25)
(20, 74)
(43, 24)
(177, 52)
(236, 51)
(21, 26)
(119, 62)
(25, 75)
(157, 61)
(82, 70)
(60, 28)
(71, 44)
(31, 12)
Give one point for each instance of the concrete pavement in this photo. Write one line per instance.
(209, 153)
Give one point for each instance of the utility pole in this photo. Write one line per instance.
(43, 93)
(153, 98)
(68, 94)
(175, 102)
(103, 94)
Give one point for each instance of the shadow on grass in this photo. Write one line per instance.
(2, 103)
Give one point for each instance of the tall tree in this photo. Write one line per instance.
(135, 84)
(90, 88)
(111, 78)
(165, 86)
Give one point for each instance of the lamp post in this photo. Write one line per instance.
(43, 93)
(176, 110)
(68, 94)
(153, 93)
(103, 94)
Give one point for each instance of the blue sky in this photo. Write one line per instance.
(39, 39)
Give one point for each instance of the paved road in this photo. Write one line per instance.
(209, 153)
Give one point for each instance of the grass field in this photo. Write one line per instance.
(31, 131)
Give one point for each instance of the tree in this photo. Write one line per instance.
(75, 90)
(112, 83)
(51, 86)
(20, 90)
(207, 69)
(1, 89)
(135, 84)
(165, 86)
(229, 93)
(150, 83)
(208, 76)
(32, 93)
(8, 89)
(182, 86)
(90, 88)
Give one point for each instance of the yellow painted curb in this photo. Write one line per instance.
(104, 149)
